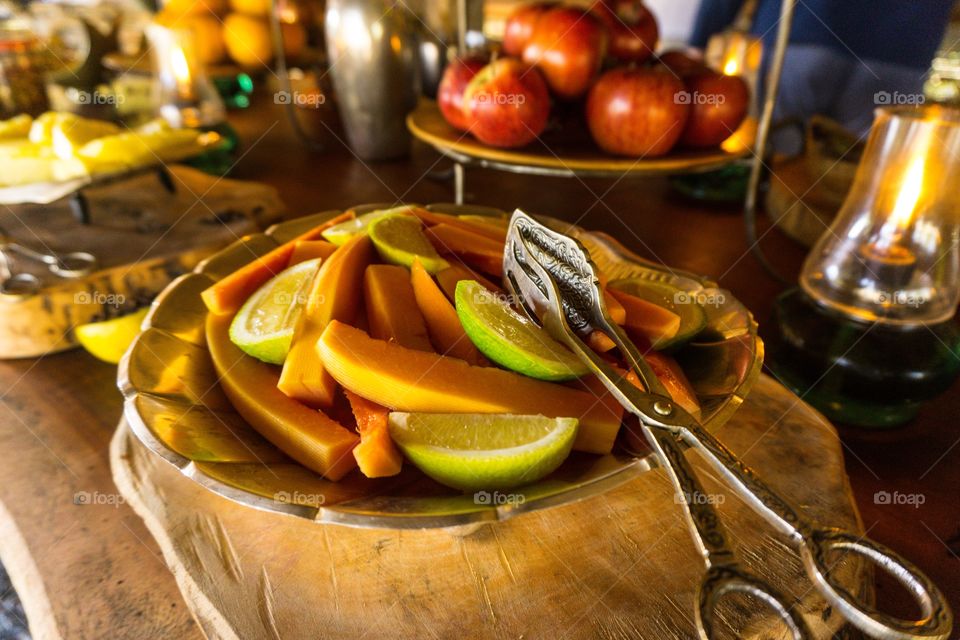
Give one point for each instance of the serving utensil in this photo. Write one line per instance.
(557, 285)
(75, 264)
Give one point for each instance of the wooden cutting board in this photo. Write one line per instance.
(619, 565)
(142, 235)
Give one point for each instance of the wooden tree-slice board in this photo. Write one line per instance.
(142, 236)
(619, 565)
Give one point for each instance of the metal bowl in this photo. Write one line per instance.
(174, 405)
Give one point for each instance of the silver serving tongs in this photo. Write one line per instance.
(556, 284)
(75, 264)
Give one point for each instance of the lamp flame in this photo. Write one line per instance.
(908, 197)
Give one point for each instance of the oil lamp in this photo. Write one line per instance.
(185, 96)
(870, 335)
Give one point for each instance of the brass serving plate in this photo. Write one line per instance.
(570, 152)
(176, 408)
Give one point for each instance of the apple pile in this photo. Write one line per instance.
(602, 61)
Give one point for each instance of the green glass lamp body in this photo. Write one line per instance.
(870, 335)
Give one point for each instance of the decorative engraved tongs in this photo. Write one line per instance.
(556, 284)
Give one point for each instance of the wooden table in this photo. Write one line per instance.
(92, 570)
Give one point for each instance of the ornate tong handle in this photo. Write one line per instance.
(537, 288)
(556, 282)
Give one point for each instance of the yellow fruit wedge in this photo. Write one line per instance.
(334, 295)
(408, 380)
(308, 436)
(108, 340)
(16, 127)
(377, 456)
(392, 311)
(446, 332)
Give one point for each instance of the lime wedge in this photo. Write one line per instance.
(692, 316)
(338, 234)
(263, 328)
(483, 451)
(108, 340)
(400, 238)
(511, 340)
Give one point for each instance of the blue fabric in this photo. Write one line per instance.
(901, 32)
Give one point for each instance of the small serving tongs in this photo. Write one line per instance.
(556, 283)
(75, 264)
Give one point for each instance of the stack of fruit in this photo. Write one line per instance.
(238, 29)
(386, 333)
(635, 104)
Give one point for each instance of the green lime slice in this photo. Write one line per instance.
(263, 328)
(483, 451)
(692, 316)
(511, 340)
(400, 238)
(339, 234)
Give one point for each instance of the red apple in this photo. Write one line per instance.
(681, 63)
(633, 33)
(637, 111)
(507, 104)
(519, 26)
(718, 104)
(568, 45)
(455, 79)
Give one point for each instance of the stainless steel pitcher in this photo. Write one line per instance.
(372, 49)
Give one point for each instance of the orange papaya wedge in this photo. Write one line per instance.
(615, 310)
(651, 320)
(449, 277)
(443, 324)
(226, 296)
(478, 251)
(304, 250)
(335, 294)
(392, 311)
(308, 436)
(432, 218)
(409, 380)
(376, 455)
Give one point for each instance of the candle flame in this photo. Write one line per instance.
(181, 68)
(731, 67)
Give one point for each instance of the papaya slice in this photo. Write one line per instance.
(407, 380)
(449, 277)
(656, 323)
(443, 324)
(476, 250)
(229, 294)
(305, 250)
(392, 311)
(334, 295)
(432, 218)
(671, 375)
(598, 440)
(600, 342)
(308, 436)
(376, 455)
(615, 310)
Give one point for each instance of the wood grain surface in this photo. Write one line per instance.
(619, 565)
(142, 237)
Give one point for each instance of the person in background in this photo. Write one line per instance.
(845, 57)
